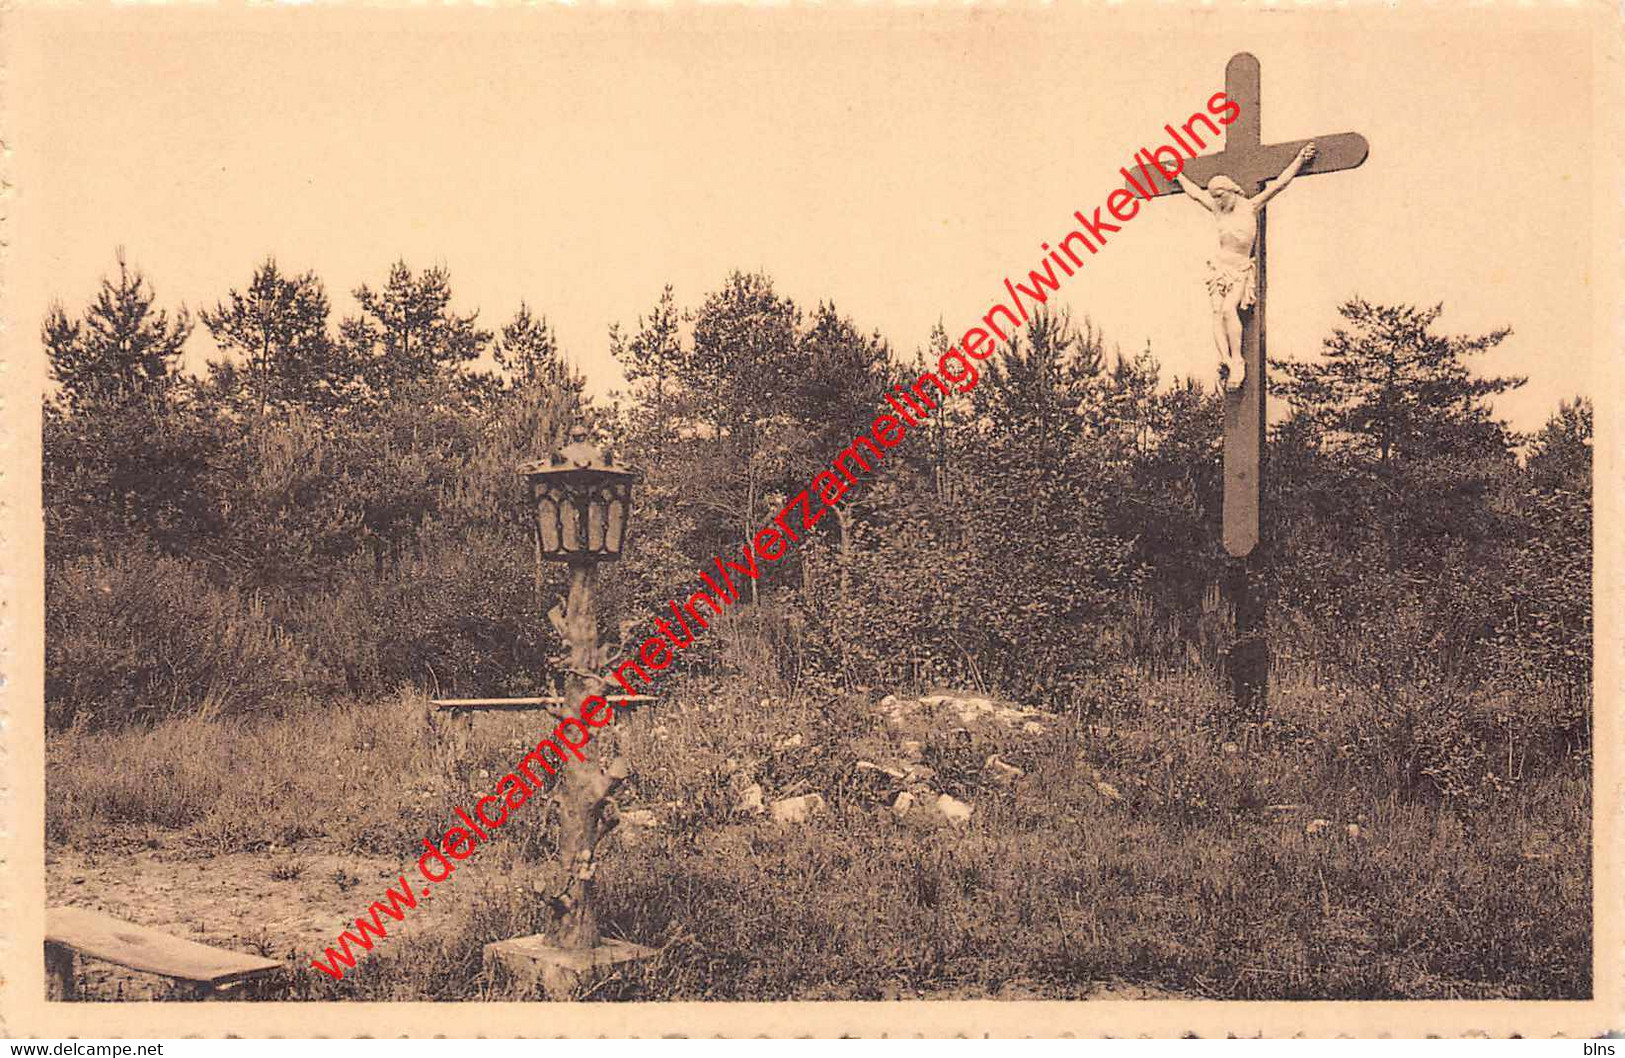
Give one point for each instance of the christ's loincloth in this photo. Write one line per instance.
(1223, 278)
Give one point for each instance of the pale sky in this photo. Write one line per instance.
(899, 161)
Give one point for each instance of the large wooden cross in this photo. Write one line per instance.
(1250, 163)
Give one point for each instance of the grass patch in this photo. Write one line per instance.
(1192, 877)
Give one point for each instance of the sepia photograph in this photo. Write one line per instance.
(904, 520)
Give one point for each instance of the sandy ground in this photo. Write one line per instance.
(241, 902)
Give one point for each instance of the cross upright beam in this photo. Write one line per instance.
(1251, 163)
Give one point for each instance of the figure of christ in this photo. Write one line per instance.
(1232, 275)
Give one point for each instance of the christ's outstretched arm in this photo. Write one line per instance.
(1276, 186)
(1187, 185)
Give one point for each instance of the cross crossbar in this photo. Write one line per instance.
(1253, 166)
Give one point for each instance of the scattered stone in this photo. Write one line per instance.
(797, 809)
(972, 709)
(1353, 831)
(1005, 771)
(1107, 792)
(913, 749)
(895, 773)
(953, 809)
(919, 773)
(635, 826)
(1230, 748)
(902, 804)
(750, 800)
(893, 709)
(1316, 826)
(967, 709)
(792, 742)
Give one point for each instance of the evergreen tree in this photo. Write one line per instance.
(528, 351)
(741, 373)
(1389, 388)
(407, 333)
(1396, 488)
(121, 349)
(653, 358)
(279, 327)
(1398, 409)
(1039, 486)
(1560, 454)
(1545, 626)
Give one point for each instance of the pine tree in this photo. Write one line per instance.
(407, 333)
(653, 358)
(529, 352)
(122, 349)
(1389, 388)
(1560, 454)
(279, 327)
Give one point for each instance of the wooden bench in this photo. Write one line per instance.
(457, 705)
(71, 931)
(456, 734)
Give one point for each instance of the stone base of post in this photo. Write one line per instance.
(560, 973)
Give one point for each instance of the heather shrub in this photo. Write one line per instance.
(139, 636)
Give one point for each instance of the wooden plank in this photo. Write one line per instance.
(101, 936)
(523, 703)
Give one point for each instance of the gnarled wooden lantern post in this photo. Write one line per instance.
(582, 505)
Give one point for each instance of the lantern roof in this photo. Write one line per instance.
(579, 457)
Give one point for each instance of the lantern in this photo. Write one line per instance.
(582, 501)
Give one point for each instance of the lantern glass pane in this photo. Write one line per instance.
(572, 509)
(615, 532)
(547, 521)
(595, 521)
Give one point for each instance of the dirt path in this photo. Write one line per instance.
(285, 904)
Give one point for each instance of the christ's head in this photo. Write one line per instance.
(1225, 193)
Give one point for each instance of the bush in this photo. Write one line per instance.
(140, 636)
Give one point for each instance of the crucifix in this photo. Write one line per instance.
(1245, 168)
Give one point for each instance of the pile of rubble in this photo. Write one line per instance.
(909, 783)
(899, 711)
(905, 783)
